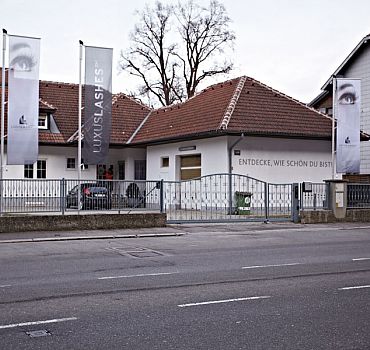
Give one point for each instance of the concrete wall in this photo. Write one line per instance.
(80, 222)
(213, 153)
(280, 160)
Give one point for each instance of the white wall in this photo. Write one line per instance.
(56, 163)
(279, 160)
(213, 153)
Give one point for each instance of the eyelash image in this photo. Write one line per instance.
(348, 95)
(23, 63)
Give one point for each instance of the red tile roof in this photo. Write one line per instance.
(61, 99)
(238, 105)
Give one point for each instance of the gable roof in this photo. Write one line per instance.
(238, 105)
(353, 53)
(61, 99)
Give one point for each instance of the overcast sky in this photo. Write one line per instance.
(290, 45)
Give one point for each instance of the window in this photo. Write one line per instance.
(28, 171)
(71, 163)
(121, 170)
(41, 169)
(165, 162)
(43, 122)
(140, 170)
(190, 167)
(83, 165)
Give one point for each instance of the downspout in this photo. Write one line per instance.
(230, 173)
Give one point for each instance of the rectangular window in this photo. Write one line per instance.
(41, 169)
(165, 162)
(71, 163)
(190, 167)
(140, 170)
(121, 170)
(43, 122)
(28, 171)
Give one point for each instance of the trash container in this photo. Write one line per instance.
(243, 202)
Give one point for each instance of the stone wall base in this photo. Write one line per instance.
(26, 223)
(327, 216)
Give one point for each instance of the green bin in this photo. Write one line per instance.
(243, 202)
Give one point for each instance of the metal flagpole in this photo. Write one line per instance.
(2, 135)
(333, 128)
(79, 124)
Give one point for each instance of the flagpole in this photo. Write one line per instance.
(79, 122)
(2, 125)
(333, 128)
(2, 136)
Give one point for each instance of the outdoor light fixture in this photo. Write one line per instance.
(187, 148)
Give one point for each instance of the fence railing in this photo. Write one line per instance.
(358, 196)
(316, 198)
(31, 196)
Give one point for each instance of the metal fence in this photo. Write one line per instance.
(32, 196)
(316, 198)
(211, 198)
(358, 196)
(226, 197)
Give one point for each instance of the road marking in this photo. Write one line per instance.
(5, 286)
(14, 325)
(277, 265)
(140, 275)
(224, 301)
(360, 259)
(355, 287)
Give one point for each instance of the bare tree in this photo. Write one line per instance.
(205, 33)
(172, 48)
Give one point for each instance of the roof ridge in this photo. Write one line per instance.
(47, 103)
(234, 100)
(290, 98)
(116, 96)
(139, 127)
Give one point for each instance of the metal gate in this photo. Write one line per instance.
(226, 197)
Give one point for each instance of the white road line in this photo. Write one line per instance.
(14, 325)
(277, 265)
(140, 275)
(224, 301)
(360, 259)
(355, 287)
(5, 285)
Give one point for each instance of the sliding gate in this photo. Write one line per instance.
(226, 197)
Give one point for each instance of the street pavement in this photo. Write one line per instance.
(224, 286)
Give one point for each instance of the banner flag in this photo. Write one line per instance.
(98, 104)
(23, 100)
(348, 103)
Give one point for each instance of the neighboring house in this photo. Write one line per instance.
(356, 65)
(241, 126)
(58, 124)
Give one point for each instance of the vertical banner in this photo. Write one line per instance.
(23, 100)
(98, 104)
(348, 103)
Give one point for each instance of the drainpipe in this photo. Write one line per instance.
(230, 149)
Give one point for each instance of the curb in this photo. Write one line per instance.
(79, 238)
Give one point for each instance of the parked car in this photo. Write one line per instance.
(92, 196)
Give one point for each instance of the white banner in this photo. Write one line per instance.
(347, 104)
(23, 100)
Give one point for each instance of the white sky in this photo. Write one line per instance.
(290, 45)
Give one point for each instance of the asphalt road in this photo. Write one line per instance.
(215, 287)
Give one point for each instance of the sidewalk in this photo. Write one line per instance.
(168, 231)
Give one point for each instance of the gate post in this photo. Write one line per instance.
(62, 191)
(161, 197)
(295, 202)
(267, 203)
